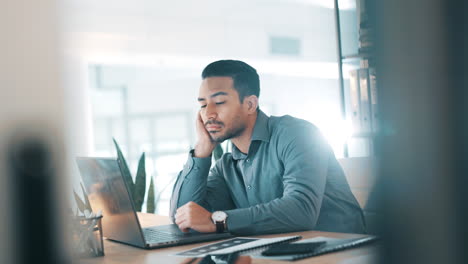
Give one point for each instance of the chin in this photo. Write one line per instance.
(229, 134)
(218, 139)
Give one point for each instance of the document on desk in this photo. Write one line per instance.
(235, 245)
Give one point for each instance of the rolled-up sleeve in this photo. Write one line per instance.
(305, 156)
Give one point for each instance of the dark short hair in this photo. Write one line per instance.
(245, 77)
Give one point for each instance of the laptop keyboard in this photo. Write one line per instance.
(157, 235)
(164, 233)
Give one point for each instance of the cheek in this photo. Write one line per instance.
(203, 115)
(203, 118)
(224, 117)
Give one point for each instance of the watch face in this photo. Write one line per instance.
(219, 216)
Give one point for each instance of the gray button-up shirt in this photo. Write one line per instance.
(289, 181)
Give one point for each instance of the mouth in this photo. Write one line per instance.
(213, 128)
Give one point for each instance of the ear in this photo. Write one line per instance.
(252, 103)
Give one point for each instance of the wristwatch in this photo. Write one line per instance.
(219, 219)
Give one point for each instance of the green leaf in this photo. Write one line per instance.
(140, 184)
(126, 172)
(218, 152)
(81, 205)
(150, 207)
(85, 195)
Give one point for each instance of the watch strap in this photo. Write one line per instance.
(219, 227)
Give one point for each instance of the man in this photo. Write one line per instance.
(280, 177)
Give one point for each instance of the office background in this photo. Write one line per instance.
(30, 75)
(137, 68)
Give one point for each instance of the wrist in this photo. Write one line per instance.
(219, 219)
(213, 224)
(199, 152)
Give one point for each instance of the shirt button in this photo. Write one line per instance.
(248, 160)
(249, 187)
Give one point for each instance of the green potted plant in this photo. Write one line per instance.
(137, 188)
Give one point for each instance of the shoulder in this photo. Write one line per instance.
(295, 137)
(291, 127)
(289, 133)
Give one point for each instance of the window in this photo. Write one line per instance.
(285, 46)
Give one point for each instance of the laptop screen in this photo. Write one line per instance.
(107, 191)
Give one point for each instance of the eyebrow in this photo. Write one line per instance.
(213, 95)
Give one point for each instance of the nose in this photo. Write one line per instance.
(210, 112)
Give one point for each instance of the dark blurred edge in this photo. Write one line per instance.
(458, 36)
(36, 214)
(422, 149)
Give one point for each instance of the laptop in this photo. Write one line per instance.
(107, 191)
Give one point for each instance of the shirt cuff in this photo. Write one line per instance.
(194, 163)
(239, 220)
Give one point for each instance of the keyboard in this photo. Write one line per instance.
(165, 233)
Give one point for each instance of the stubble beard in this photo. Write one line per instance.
(228, 135)
(236, 131)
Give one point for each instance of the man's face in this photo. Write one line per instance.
(221, 111)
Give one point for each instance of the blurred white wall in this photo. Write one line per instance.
(206, 27)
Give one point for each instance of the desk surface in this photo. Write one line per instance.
(120, 253)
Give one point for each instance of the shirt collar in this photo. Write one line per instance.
(260, 132)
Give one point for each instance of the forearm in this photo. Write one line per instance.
(191, 183)
(287, 214)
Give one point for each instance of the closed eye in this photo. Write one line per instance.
(203, 106)
(220, 103)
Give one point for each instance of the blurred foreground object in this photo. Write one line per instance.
(32, 154)
(35, 213)
(422, 61)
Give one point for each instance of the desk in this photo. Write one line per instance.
(120, 253)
